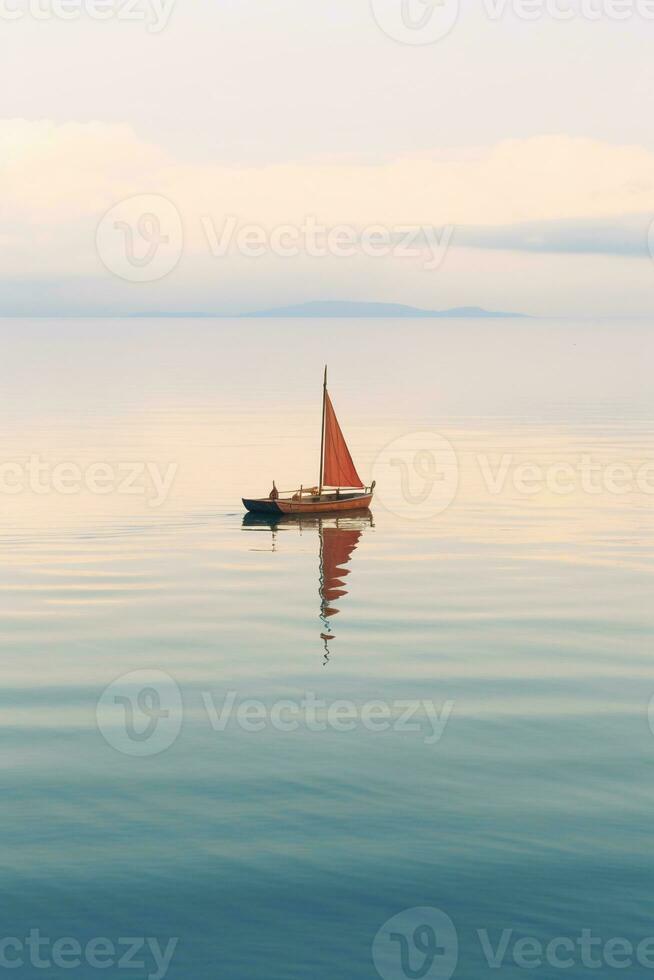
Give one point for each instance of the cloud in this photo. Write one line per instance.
(540, 195)
(624, 235)
(53, 171)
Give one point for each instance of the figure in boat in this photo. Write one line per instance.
(339, 488)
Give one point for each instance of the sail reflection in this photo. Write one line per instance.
(338, 537)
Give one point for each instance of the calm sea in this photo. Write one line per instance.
(265, 741)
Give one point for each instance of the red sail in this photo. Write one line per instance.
(338, 468)
(337, 547)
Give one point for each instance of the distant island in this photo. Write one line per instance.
(347, 308)
(344, 308)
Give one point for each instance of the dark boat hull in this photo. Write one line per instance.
(331, 505)
(262, 506)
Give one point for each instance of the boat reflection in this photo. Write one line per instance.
(338, 537)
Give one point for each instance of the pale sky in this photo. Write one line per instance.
(530, 140)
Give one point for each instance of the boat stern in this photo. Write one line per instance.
(261, 505)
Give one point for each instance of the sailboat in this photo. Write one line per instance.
(339, 488)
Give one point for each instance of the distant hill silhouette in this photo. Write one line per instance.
(347, 308)
(338, 308)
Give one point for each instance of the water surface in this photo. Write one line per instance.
(523, 617)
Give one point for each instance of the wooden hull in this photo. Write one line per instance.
(332, 505)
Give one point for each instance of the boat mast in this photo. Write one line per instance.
(322, 431)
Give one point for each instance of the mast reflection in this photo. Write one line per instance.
(338, 537)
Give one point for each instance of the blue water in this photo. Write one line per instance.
(524, 620)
